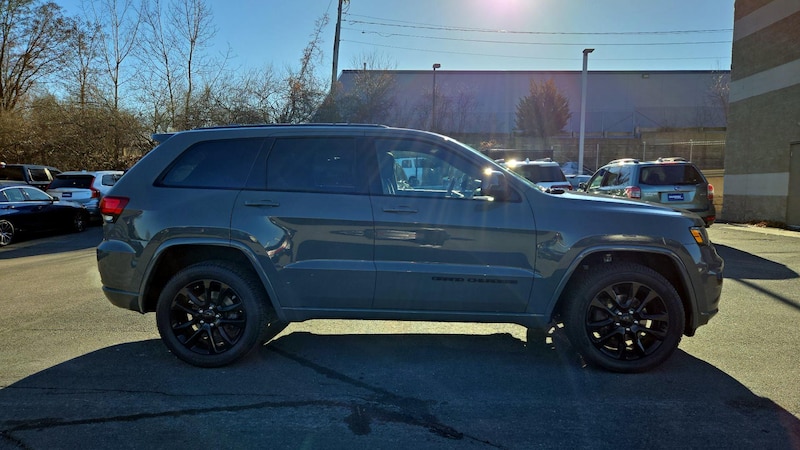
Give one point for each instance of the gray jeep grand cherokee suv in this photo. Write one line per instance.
(228, 234)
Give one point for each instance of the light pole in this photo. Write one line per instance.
(586, 52)
(433, 111)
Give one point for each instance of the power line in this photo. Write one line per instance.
(490, 41)
(406, 24)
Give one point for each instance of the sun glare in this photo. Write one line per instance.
(514, 11)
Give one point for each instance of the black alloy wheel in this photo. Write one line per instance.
(6, 232)
(79, 222)
(211, 314)
(624, 317)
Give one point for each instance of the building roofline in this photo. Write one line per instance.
(524, 72)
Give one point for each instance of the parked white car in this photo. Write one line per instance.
(86, 188)
(545, 173)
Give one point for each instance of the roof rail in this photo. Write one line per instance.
(309, 124)
(161, 137)
(672, 159)
(624, 160)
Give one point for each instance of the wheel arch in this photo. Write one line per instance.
(665, 262)
(176, 255)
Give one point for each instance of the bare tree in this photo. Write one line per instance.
(465, 105)
(81, 66)
(249, 98)
(160, 82)
(192, 22)
(176, 35)
(718, 94)
(304, 92)
(121, 21)
(370, 99)
(33, 38)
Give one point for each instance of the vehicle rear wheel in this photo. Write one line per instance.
(6, 232)
(211, 314)
(79, 222)
(624, 317)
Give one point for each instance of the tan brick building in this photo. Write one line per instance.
(762, 159)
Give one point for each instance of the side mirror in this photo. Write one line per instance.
(495, 184)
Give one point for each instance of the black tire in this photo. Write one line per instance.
(211, 314)
(6, 233)
(624, 317)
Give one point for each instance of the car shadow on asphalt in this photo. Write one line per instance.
(381, 390)
(743, 265)
(746, 268)
(51, 243)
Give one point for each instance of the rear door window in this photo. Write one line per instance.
(314, 164)
(614, 177)
(15, 195)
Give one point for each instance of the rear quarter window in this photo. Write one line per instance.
(12, 174)
(110, 179)
(222, 164)
(39, 174)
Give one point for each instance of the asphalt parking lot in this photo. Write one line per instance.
(78, 372)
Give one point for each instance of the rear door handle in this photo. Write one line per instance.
(401, 210)
(257, 203)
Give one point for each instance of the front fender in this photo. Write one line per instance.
(654, 257)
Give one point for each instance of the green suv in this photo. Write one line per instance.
(228, 234)
(672, 181)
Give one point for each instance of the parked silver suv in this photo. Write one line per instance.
(671, 181)
(228, 234)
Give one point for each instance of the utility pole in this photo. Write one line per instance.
(586, 52)
(433, 110)
(335, 70)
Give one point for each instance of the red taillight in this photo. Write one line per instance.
(633, 192)
(710, 193)
(112, 207)
(95, 192)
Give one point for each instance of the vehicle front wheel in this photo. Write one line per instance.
(6, 232)
(211, 314)
(624, 317)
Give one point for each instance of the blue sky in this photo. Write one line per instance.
(481, 34)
